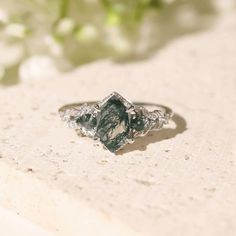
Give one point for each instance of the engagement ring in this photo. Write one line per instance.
(115, 121)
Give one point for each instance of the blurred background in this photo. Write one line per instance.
(40, 39)
(179, 53)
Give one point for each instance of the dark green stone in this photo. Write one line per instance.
(87, 121)
(113, 125)
(138, 123)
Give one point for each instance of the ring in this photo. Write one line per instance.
(115, 121)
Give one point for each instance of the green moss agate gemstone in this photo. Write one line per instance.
(113, 126)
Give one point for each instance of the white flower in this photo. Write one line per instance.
(117, 41)
(16, 30)
(11, 54)
(65, 26)
(54, 47)
(87, 33)
(38, 67)
(4, 18)
(54, 35)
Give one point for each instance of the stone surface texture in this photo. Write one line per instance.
(179, 181)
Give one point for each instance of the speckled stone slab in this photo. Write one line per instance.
(178, 181)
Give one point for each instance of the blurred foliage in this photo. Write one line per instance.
(41, 38)
(65, 33)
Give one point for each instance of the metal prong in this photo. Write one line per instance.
(130, 141)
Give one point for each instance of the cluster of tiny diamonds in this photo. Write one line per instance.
(158, 119)
(87, 110)
(70, 116)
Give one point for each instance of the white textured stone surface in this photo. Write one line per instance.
(178, 181)
(12, 225)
